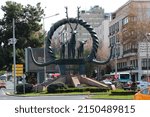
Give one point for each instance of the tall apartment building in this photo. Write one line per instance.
(128, 33)
(103, 32)
(94, 16)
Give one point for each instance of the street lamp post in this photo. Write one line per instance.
(147, 54)
(13, 42)
(116, 49)
(45, 40)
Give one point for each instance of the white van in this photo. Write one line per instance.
(123, 77)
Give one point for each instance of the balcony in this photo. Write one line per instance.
(146, 68)
(127, 68)
(130, 52)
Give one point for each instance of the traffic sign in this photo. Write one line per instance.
(116, 76)
(19, 69)
(18, 66)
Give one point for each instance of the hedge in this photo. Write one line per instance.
(123, 92)
(52, 88)
(20, 88)
(85, 89)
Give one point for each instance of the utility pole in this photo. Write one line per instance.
(14, 55)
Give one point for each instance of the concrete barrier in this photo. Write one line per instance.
(92, 82)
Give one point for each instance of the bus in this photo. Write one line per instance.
(122, 77)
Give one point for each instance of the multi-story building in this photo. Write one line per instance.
(128, 34)
(103, 32)
(95, 16)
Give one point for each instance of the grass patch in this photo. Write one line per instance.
(117, 97)
(92, 95)
(53, 94)
(109, 95)
(96, 95)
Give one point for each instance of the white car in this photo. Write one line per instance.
(107, 82)
(142, 85)
(3, 77)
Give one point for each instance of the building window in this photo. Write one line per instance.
(113, 53)
(114, 28)
(117, 38)
(129, 46)
(112, 41)
(145, 63)
(134, 45)
(117, 26)
(118, 51)
(125, 21)
(134, 63)
(111, 30)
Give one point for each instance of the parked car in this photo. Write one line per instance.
(2, 84)
(127, 86)
(53, 75)
(3, 77)
(143, 94)
(108, 82)
(132, 86)
(142, 85)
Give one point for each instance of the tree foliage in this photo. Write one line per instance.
(27, 30)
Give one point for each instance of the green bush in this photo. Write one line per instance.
(2, 72)
(52, 88)
(90, 89)
(20, 88)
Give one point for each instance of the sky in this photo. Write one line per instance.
(52, 7)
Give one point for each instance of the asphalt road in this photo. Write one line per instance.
(6, 97)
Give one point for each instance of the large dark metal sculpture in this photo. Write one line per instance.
(80, 49)
(71, 59)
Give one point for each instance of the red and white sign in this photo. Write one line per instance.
(116, 76)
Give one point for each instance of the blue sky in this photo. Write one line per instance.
(57, 6)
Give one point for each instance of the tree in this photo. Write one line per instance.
(137, 23)
(27, 29)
